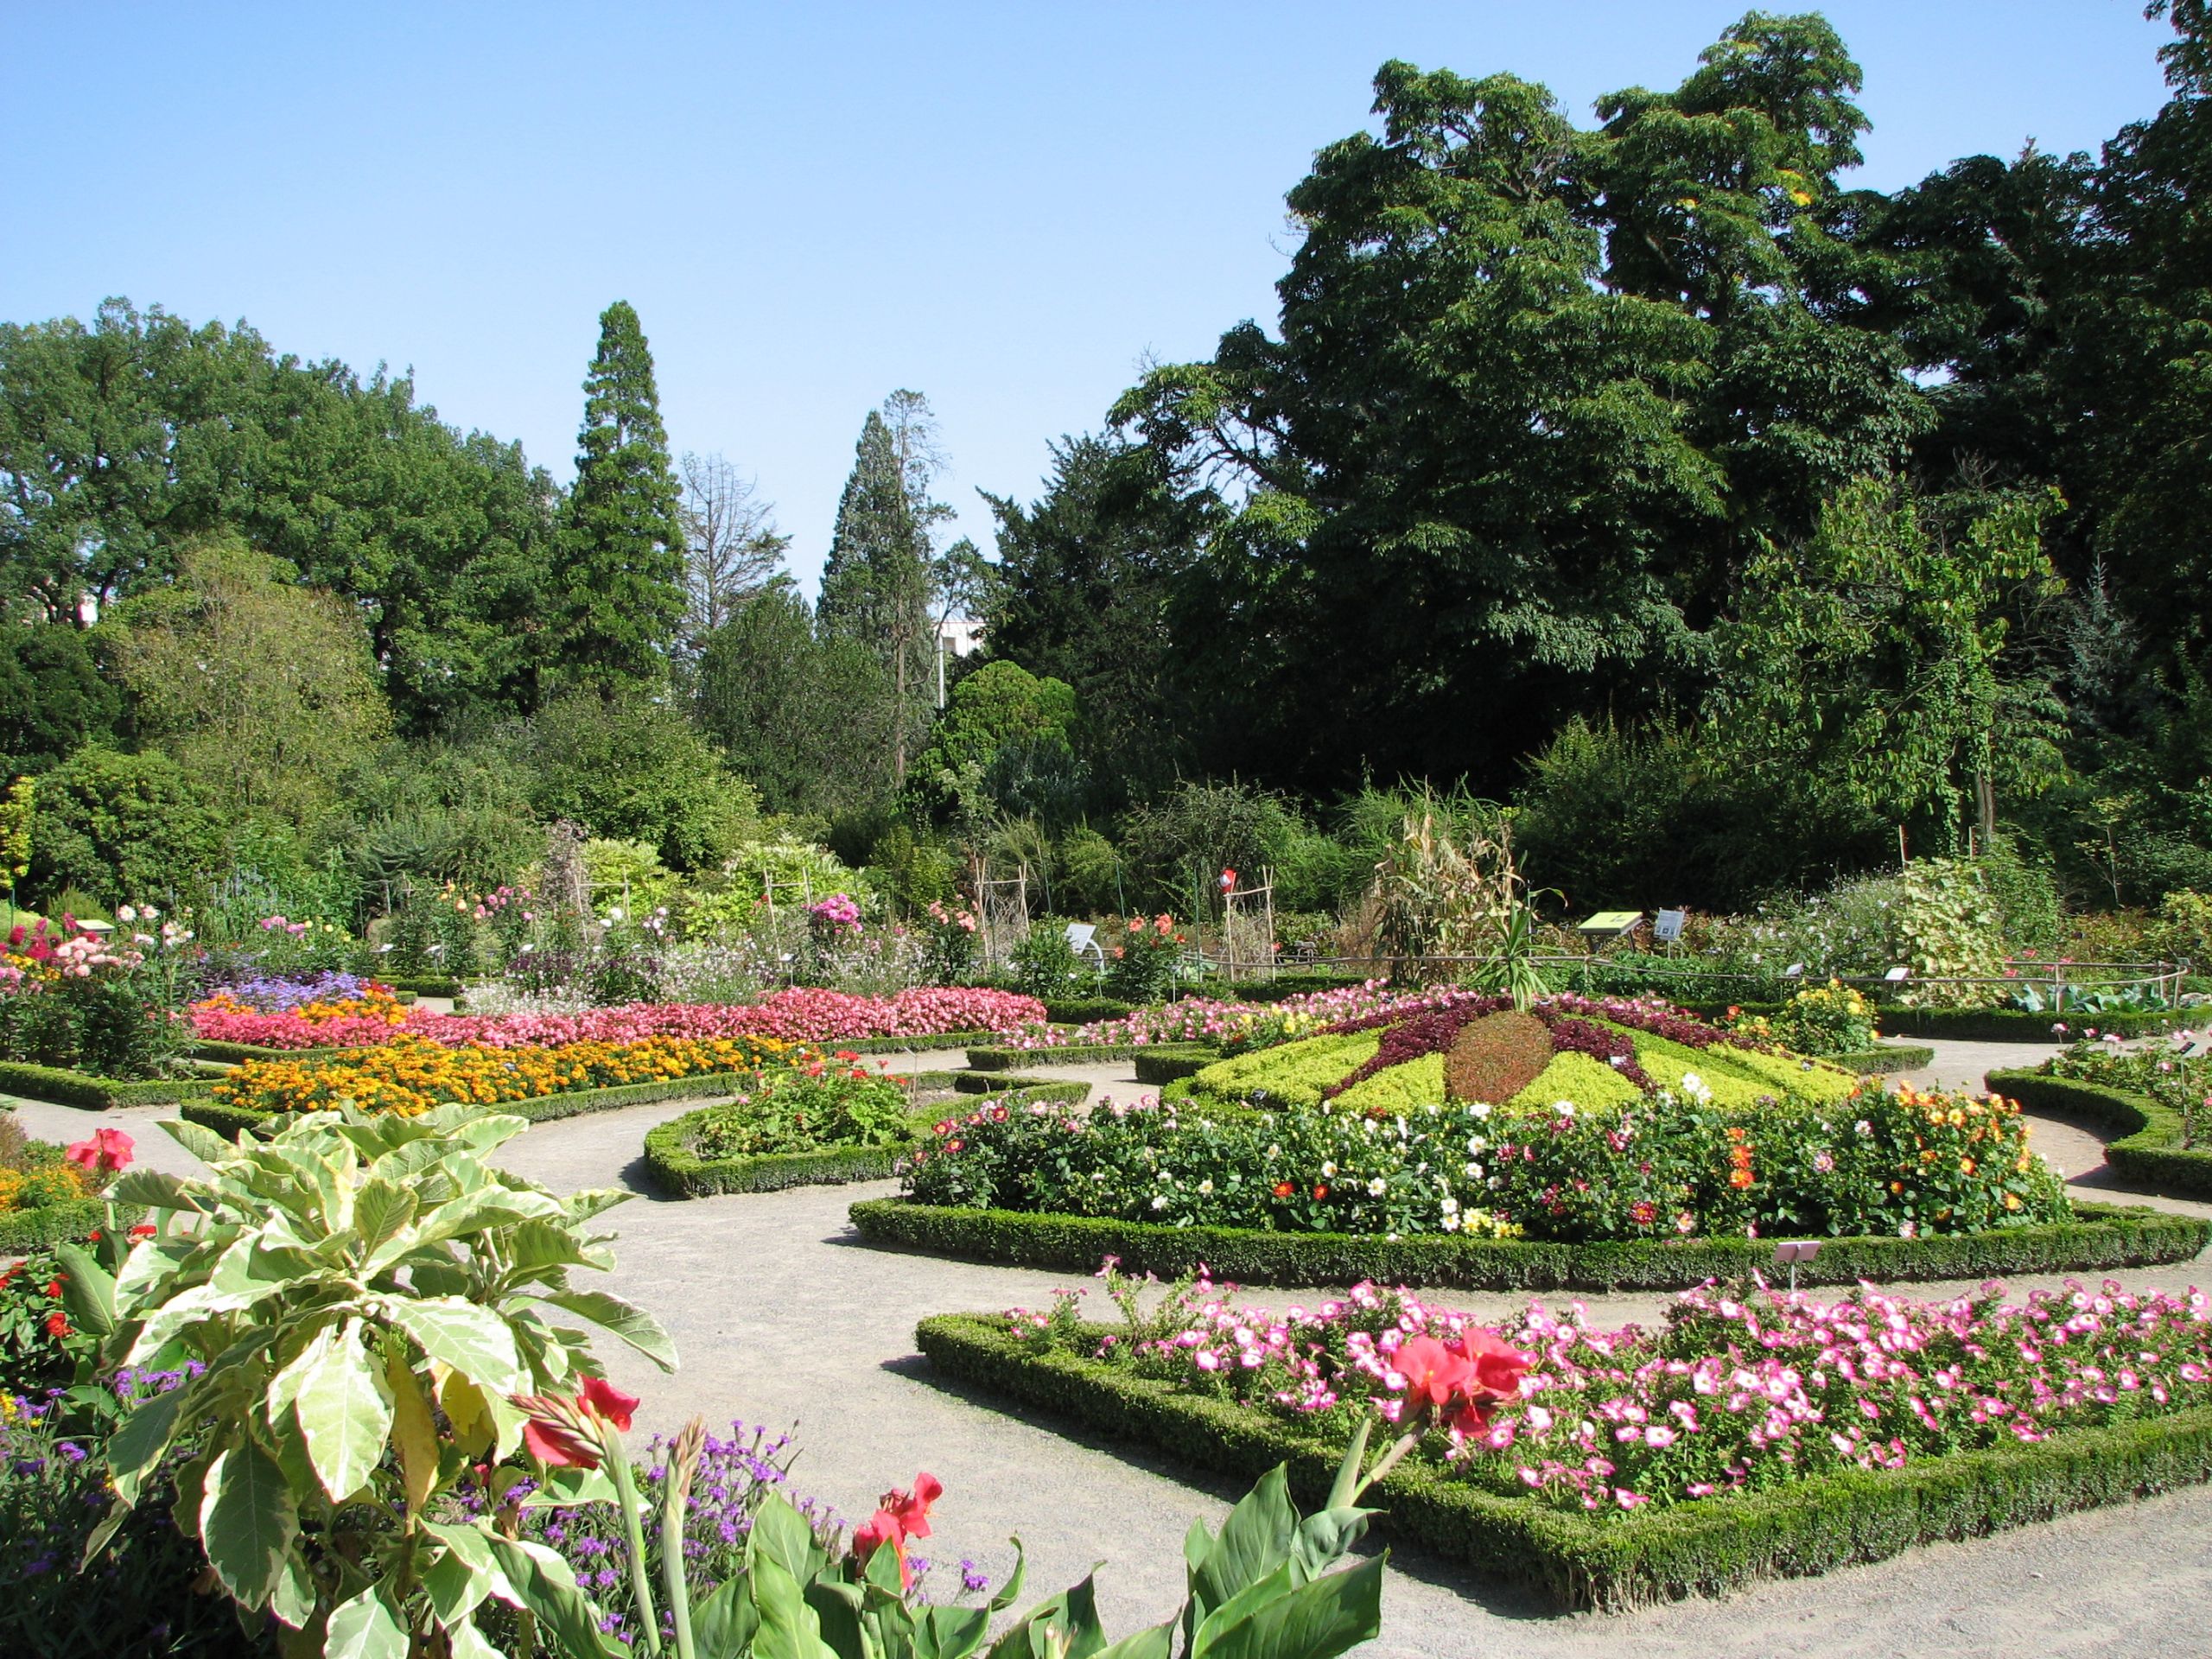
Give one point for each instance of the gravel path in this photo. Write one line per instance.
(784, 1318)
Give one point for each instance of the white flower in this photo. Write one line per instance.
(1474, 1170)
(1451, 1204)
(1450, 1222)
(149, 913)
(1377, 1187)
(1328, 1166)
(1479, 1109)
(1564, 1108)
(1159, 1200)
(1694, 1086)
(615, 914)
(125, 913)
(1206, 1185)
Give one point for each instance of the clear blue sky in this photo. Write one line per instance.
(1005, 207)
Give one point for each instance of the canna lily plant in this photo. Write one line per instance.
(1270, 1585)
(360, 1301)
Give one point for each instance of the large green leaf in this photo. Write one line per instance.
(788, 1628)
(138, 1443)
(344, 1407)
(474, 1340)
(382, 1211)
(1315, 1621)
(363, 1628)
(1157, 1643)
(203, 1143)
(633, 1325)
(542, 1582)
(152, 1190)
(248, 1521)
(1253, 1542)
(87, 1290)
(723, 1623)
(781, 1535)
(462, 1574)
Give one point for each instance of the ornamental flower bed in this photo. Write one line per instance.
(792, 1016)
(341, 1012)
(1229, 1026)
(1729, 1395)
(1673, 1165)
(409, 1075)
(2178, 1079)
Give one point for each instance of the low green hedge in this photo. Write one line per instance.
(990, 1057)
(1283, 987)
(687, 1175)
(1981, 1025)
(1883, 1058)
(545, 1109)
(237, 1054)
(1085, 1010)
(906, 1044)
(1573, 1561)
(998, 1082)
(24, 1230)
(1162, 1065)
(428, 985)
(2103, 1236)
(2148, 1151)
(64, 1087)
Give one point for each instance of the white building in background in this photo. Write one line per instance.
(956, 636)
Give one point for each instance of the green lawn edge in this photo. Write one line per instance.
(1702, 1547)
(2105, 1236)
(2147, 1150)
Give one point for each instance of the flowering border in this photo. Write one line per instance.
(1705, 1546)
(683, 1174)
(538, 1109)
(2107, 1236)
(2148, 1149)
(1977, 1025)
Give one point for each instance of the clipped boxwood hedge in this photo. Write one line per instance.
(1981, 1025)
(1570, 1560)
(997, 1083)
(1162, 1066)
(544, 1109)
(424, 985)
(2148, 1151)
(1085, 1010)
(991, 1057)
(687, 1175)
(1883, 1058)
(24, 1230)
(65, 1088)
(2103, 1236)
(236, 1053)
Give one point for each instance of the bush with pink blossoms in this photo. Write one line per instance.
(1235, 1027)
(1729, 1394)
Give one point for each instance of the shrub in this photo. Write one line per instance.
(1831, 1019)
(1043, 965)
(794, 1111)
(122, 825)
(1142, 959)
(2182, 932)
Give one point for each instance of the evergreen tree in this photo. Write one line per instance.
(622, 577)
(879, 580)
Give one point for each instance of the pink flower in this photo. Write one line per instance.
(107, 1149)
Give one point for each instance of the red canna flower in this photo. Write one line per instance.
(563, 1434)
(106, 1149)
(913, 1508)
(604, 1399)
(57, 1324)
(558, 1446)
(1433, 1373)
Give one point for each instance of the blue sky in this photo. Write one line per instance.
(1005, 207)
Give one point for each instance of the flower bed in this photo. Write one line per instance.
(1988, 1025)
(2098, 1239)
(2149, 1149)
(1670, 1164)
(795, 1016)
(687, 1159)
(411, 1076)
(1226, 1024)
(1778, 1435)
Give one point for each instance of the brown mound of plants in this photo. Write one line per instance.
(1495, 1058)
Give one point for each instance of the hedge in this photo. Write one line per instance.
(903, 1045)
(237, 1054)
(1283, 987)
(1572, 1561)
(2104, 1236)
(66, 1088)
(1883, 1058)
(998, 1082)
(543, 1109)
(687, 1175)
(2148, 1151)
(426, 986)
(1160, 1065)
(1983, 1024)
(24, 1230)
(996, 1058)
(1085, 1010)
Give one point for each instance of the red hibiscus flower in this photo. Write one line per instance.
(1433, 1373)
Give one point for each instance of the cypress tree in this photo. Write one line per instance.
(879, 581)
(622, 577)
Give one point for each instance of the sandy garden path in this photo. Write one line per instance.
(782, 1318)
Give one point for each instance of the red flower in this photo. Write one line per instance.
(1433, 1373)
(1284, 1189)
(1320, 1191)
(57, 1324)
(879, 1530)
(602, 1398)
(899, 1515)
(145, 1230)
(558, 1446)
(107, 1149)
(913, 1508)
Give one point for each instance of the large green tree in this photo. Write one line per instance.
(621, 579)
(880, 582)
(123, 441)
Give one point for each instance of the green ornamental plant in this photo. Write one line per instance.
(362, 1297)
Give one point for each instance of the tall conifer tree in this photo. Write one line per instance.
(622, 577)
(879, 580)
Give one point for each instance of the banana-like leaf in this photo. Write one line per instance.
(1315, 1621)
